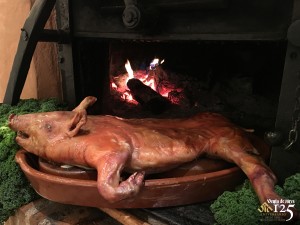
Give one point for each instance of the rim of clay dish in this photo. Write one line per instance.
(27, 168)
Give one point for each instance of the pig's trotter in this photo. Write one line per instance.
(109, 185)
(113, 192)
(132, 185)
(136, 179)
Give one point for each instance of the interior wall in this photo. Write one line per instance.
(43, 79)
(46, 67)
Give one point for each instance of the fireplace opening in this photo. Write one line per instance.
(240, 79)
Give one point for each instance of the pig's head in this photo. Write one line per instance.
(38, 130)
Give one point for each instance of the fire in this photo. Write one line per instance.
(114, 86)
(128, 97)
(155, 62)
(148, 77)
(150, 83)
(129, 70)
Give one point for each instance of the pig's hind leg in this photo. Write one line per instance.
(261, 177)
(109, 182)
(238, 149)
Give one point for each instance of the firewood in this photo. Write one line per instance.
(147, 97)
(123, 217)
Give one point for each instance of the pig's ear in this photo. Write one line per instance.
(76, 123)
(85, 103)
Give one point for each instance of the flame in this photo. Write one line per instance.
(155, 62)
(114, 86)
(128, 97)
(129, 70)
(151, 83)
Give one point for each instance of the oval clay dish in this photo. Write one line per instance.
(201, 180)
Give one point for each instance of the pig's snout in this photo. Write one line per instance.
(11, 116)
(11, 120)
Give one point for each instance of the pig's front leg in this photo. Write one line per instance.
(109, 185)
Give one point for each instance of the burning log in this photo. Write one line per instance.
(147, 97)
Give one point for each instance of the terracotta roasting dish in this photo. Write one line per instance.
(201, 180)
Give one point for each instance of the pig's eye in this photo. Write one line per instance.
(48, 127)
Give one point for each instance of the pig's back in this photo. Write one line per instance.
(158, 143)
(154, 143)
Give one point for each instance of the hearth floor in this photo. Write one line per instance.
(45, 212)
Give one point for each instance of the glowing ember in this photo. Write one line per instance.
(128, 97)
(164, 92)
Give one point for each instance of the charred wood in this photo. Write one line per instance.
(147, 97)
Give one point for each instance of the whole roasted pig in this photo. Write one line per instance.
(112, 144)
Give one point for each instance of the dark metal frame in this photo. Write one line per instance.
(287, 162)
